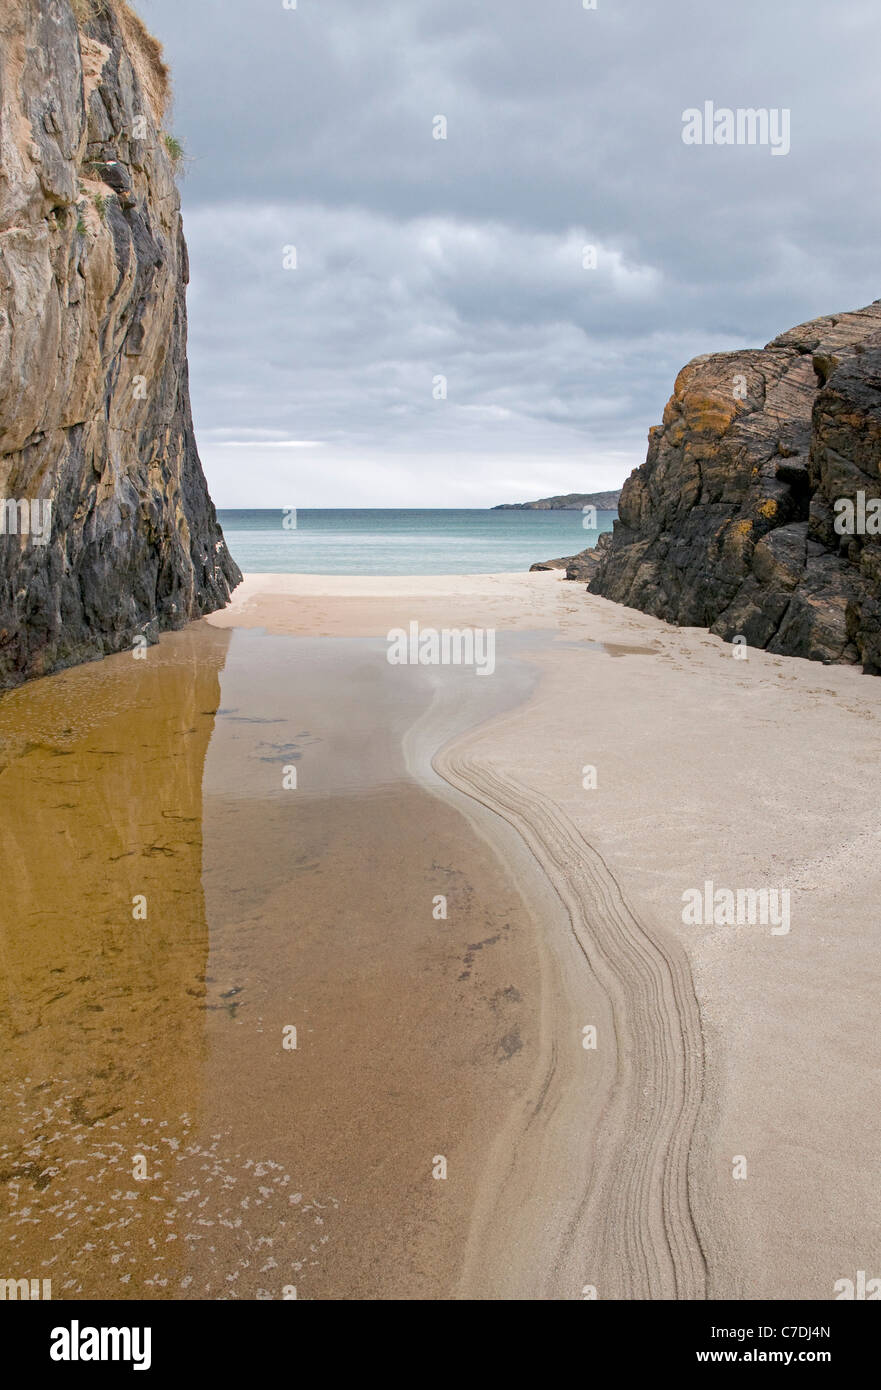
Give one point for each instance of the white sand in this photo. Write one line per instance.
(714, 1041)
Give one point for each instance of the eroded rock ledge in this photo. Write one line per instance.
(94, 400)
(729, 523)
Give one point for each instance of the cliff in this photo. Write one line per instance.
(108, 531)
(739, 519)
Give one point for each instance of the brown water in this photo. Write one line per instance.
(157, 1046)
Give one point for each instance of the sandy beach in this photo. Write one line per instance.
(720, 1140)
(549, 1087)
(385, 916)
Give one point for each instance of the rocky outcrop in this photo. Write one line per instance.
(580, 566)
(733, 521)
(108, 529)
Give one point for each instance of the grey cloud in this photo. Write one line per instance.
(461, 257)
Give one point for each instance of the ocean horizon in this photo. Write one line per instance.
(400, 541)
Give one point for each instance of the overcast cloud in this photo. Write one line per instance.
(463, 258)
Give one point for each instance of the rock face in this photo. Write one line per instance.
(94, 402)
(731, 521)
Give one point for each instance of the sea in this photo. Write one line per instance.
(406, 541)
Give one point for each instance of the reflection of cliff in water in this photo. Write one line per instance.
(158, 1137)
(102, 1013)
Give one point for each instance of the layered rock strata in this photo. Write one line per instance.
(108, 532)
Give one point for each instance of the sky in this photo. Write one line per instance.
(380, 317)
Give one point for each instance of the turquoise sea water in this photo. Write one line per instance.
(367, 541)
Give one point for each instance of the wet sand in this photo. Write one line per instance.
(723, 1143)
(264, 1168)
(568, 1169)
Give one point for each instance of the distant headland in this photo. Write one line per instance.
(572, 502)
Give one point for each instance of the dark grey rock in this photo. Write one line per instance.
(730, 522)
